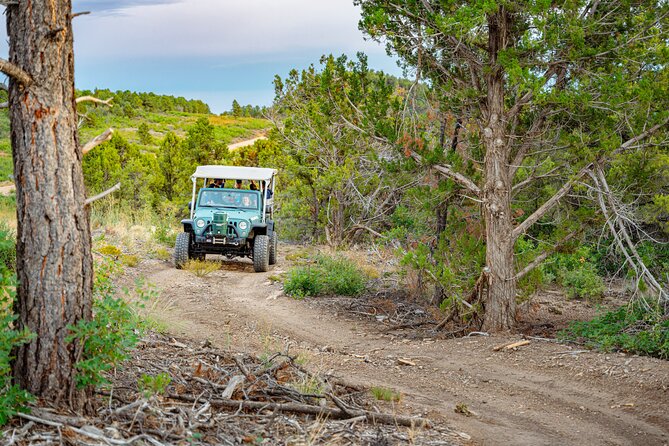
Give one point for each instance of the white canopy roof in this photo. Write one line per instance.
(234, 173)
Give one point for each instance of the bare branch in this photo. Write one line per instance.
(93, 99)
(564, 190)
(114, 188)
(4, 104)
(15, 72)
(77, 14)
(541, 257)
(548, 205)
(628, 144)
(455, 176)
(93, 143)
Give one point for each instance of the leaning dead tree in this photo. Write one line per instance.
(620, 225)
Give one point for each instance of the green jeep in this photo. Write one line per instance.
(230, 221)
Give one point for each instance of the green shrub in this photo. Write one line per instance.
(12, 398)
(154, 385)
(326, 275)
(7, 247)
(576, 272)
(112, 333)
(583, 283)
(304, 281)
(341, 276)
(631, 329)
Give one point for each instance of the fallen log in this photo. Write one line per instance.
(372, 417)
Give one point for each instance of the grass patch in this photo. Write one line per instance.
(325, 275)
(201, 268)
(385, 394)
(130, 260)
(161, 254)
(631, 329)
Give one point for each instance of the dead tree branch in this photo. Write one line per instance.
(372, 417)
(93, 143)
(15, 72)
(114, 188)
(93, 99)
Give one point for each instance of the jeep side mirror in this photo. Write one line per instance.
(190, 205)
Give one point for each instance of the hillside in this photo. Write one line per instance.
(128, 111)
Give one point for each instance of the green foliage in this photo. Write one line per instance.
(153, 385)
(114, 330)
(304, 281)
(632, 329)
(328, 164)
(12, 398)
(326, 275)
(111, 250)
(576, 272)
(7, 248)
(385, 394)
(143, 134)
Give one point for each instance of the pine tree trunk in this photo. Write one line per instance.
(54, 261)
(500, 304)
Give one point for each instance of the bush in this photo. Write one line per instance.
(112, 333)
(7, 247)
(304, 281)
(12, 398)
(327, 275)
(631, 329)
(576, 272)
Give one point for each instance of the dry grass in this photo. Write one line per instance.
(201, 268)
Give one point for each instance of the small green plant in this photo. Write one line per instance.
(201, 268)
(165, 235)
(12, 398)
(576, 272)
(153, 385)
(112, 333)
(111, 251)
(161, 254)
(130, 260)
(7, 247)
(632, 329)
(327, 275)
(308, 385)
(304, 281)
(385, 394)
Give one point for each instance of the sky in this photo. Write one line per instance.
(214, 50)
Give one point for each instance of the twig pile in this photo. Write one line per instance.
(215, 398)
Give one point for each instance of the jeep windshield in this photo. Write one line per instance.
(225, 198)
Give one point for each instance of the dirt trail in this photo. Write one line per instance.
(542, 394)
(248, 142)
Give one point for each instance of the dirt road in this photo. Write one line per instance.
(542, 394)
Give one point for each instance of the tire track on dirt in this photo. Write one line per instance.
(517, 401)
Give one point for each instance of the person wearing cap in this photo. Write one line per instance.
(238, 184)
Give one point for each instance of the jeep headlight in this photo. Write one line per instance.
(200, 223)
(243, 225)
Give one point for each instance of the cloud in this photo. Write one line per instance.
(222, 28)
(106, 6)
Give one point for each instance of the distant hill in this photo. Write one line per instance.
(129, 111)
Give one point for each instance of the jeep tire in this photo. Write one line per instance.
(182, 249)
(273, 242)
(261, 253)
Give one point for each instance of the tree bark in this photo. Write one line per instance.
(500, 303)
(54, 260)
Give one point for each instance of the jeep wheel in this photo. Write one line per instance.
(181, 249)
(273, 242)
(261, 253)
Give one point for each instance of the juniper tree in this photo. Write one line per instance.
(532, 79)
